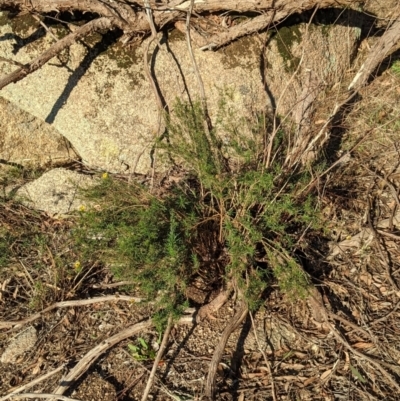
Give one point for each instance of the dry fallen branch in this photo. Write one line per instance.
(42, 395)
(22, 72)
(157, 360)
(207, 310)
(273, 390)
(123, 13)
(67, 304)
(387, 44)
(29, 385)
(82, 366)
(238, 318)
(317, 301)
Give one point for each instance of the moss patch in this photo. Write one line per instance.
(239, 53)
(4, 18)
(175, 36)
(125, 57)
(285, 38)
(23, 25)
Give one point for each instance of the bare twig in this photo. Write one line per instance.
(47, 29)
(385, 179)
(383, 318)
(192, 58)
(113, 285)
(32, 383)
(85, 362)
(67, 304)
(94, 353)
(157, 360)
(238, 318)
(7, 60)
(345, 343)
(390, 235)
(149, 15)
(22, 72)
(42, 395)
(268, 151)
(265, 358)
(213, 306)
(379, 246)
(387, 44)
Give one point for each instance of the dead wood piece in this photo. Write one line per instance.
(82, 366)
(27, 386)
(238, 318)
(317, 301)
(41, 395)
(124, 16)
(270, 12)
(273, 390)
(213, 306)
(157, 360)
(387, 44)
(68, 304)
(121, 12)
(90, 27)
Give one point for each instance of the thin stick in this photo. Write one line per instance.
(81, 367)
(67, 304)
(30, 280)
(149, 15)
(7, 60)
(157, 360)
(192, 58)
(268, 151)
(378, 244)
(265, 359)
(238, 318)
(47, 29)
(345, 343)
(22, 72)
(32, 383)
(113, 285)
(42, 395)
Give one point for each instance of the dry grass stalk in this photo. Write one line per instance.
(68, 304)
(32, 383)
(83, 365)
(160, 353)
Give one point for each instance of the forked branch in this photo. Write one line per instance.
(67, 41)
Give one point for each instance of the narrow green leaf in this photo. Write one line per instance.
(357, 374)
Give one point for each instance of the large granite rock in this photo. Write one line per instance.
(96, 94)
(27, 141)
(56, 192)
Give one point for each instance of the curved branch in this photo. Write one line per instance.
(67, 304)
(67, 41)
(125, 17)
(81, 367)
(238, 318)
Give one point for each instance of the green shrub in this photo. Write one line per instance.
(230, 218)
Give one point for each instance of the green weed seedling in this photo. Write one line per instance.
(396, 68)
(142, 351)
